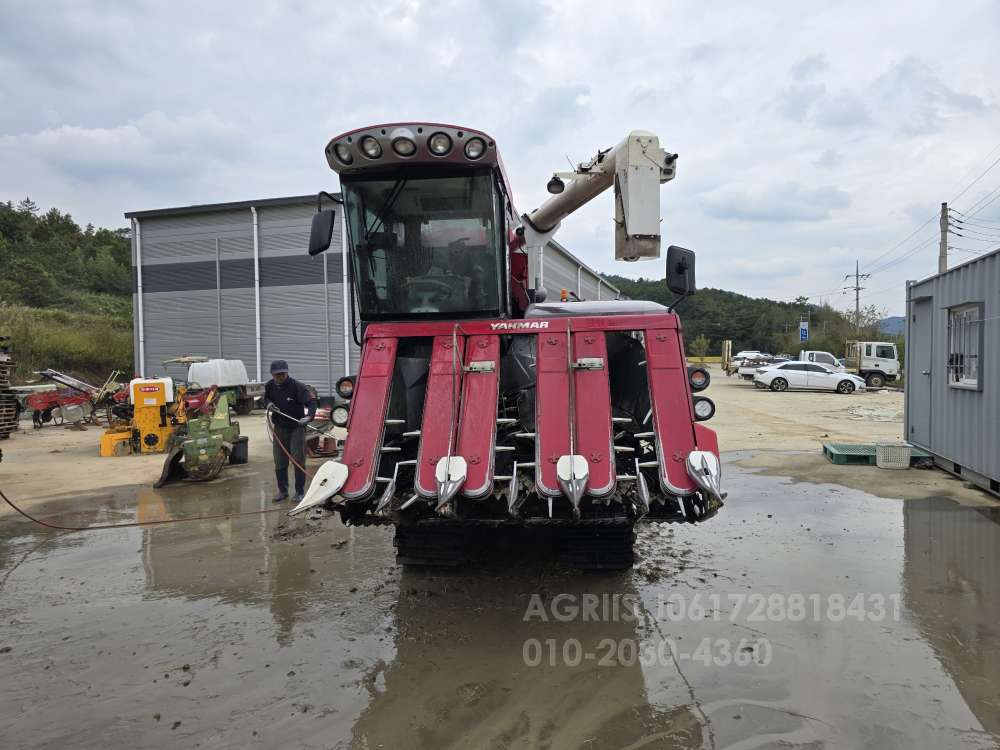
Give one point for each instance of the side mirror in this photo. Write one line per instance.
(322, 231)
(680, 270)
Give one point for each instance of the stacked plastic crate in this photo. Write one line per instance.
(8, 400)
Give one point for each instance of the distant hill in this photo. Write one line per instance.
(894, 325)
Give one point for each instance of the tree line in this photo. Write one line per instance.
(711, 316)
(49, 261)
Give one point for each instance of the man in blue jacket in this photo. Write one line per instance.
(291, 408)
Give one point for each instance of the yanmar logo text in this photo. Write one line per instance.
(149, 388)
(519, 325)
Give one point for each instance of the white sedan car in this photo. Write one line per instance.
(806, 375)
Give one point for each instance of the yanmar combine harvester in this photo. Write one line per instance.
(480, 404)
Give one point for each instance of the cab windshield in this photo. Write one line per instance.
(424, 246)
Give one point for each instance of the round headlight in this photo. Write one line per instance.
(371, 147)
(439, 144)
(343, 152)
(404, 147)
(703, 408)
(339, 416)
(699, 378)
(345, 387)
(475, 148)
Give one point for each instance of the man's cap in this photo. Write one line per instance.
(279, 365)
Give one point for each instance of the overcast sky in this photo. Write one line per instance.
(807, 138)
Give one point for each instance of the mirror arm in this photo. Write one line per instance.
(681, 298)
(319, 199)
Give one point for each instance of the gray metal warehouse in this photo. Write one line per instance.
(952, 403)
(234, 280)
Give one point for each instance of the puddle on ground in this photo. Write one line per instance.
(746, 631)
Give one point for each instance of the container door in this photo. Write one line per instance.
(918, 385)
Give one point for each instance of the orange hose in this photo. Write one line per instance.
(40, 522)
(58, 527)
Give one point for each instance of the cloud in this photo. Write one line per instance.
(829, 159)
(152, 147)
(701, 53)
(843, 110)
(811, 102)
(920, 100)
(908, 97)
(785, 202)
(809, 66)
(796, 102)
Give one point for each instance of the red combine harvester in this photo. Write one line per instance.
(479, 404)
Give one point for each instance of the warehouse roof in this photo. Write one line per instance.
(981, 257)
(206, 207)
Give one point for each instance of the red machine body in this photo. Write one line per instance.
(476, 402)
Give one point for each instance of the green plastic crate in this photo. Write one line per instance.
(846, 454)
(863, 454)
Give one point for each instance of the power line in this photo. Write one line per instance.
(978, 223)
(902, 241)
(989, 202)
(935, 215)
(959, 229)
(967, 187)
(983, 201)
(913, 251)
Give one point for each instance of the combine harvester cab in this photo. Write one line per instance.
(477, 403)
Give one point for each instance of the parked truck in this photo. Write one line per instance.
(875, 361)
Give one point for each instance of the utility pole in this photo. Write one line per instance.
(943, 248)
(858, 278)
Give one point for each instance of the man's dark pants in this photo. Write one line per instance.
(293, 437)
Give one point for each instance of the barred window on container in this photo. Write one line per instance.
(965, 341)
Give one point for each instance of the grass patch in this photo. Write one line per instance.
(83, 344)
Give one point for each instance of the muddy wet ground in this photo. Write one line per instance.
(257, 631)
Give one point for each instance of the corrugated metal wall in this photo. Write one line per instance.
(294, 288)
(182, 265)
(559, 273)
(561, 270)
(963, 423)
(199, 295)
(591, 288)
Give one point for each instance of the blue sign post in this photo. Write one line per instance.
(804, 330)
